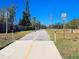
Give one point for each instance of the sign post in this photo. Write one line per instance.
(63, 15)
(55, 35)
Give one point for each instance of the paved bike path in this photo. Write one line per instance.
(36, 45)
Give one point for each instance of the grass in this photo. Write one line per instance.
(17, 35)
(68, 47)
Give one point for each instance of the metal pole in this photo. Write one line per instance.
(7, 26)
(55, 36)
(64, 15)
(64, 28)
(12, 34)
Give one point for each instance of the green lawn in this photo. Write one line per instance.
(69, 47)
(16, 36)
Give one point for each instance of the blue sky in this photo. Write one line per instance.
(44, 9)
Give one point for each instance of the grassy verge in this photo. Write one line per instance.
(4, 42)
(69, 47)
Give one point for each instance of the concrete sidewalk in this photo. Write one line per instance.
(44, 50)
(36, 45)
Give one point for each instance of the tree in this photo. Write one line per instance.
(57, 26)
(25, 21)
(73, 24)
(67, 25)
(11, 14)
(77, 23)
(51, 26)
(35, 23)
(10, 11)
(2, 19)
(43, 26)
(1, 16)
